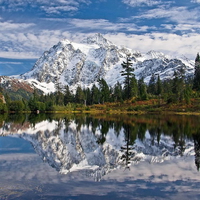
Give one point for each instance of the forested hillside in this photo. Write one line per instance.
(175, 91)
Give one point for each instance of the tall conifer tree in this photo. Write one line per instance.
(142, 89)
(95, 95)
(104, 91)
(117, 92)
(128, 74)
(159, 86)
(152, 85)
(196, 82)
(79, 96)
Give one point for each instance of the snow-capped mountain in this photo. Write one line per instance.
(73, 64)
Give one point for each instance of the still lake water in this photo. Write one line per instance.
(99, 157)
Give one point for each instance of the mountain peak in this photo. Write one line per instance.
(73, 64)
(156, 54)
(97, 39)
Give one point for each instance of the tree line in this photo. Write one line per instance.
(177, 89)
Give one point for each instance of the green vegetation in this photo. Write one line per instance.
(180, 94)
(129, 86)
(196, 82)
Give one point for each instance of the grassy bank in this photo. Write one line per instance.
(137, 107)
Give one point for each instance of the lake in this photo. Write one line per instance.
(75, 157)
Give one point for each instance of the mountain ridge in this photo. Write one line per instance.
(83, 64)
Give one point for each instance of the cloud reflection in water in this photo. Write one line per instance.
(157, 170)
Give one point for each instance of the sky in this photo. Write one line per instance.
(30, 27)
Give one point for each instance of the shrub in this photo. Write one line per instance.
(130, 109)
(87, 108)
(16, 106)
(3, 107)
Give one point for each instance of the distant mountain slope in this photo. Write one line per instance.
(16, 88)
(74, 64)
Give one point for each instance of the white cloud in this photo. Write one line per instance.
(20, 43)
(26, 40)
(33, 44)
(135, 3)
(58, 9)
(183, 28)
(174, 19)
(55, 7)
(181, 19)
(171, 44)
(18, 55)
(105, 25)
(175, 14)
(7, 26)
(195, 1)
(68, 2)
(142, 180)
(95, 24)
(13, 63)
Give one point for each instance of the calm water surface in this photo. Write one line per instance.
(99, 157)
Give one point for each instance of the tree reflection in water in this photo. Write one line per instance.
(196, 138)
(97, 145)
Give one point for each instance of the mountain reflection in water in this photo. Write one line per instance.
(94, 146)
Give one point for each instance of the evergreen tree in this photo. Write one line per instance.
(167, 90)
(59, 94)
(178, 85)
(152, 85)
(25, 102)
(59, 98)
(49, 105)
(87, 94)
(111, 91)
(128, 74)
(95, 95)
(8, 100)
(79, 96)
(134, 87)
(17, 106)
(104, 91)
(155, 86)
(158, 86)
(187, 93)
(196, 81)
(142, 89)
(52, 97)
(3, 107)
(35, 95)
(117, 92)
(68, 96)
(32, 101)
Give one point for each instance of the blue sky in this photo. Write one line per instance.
(30, 27)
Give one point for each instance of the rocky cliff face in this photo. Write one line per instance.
(82, 64)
